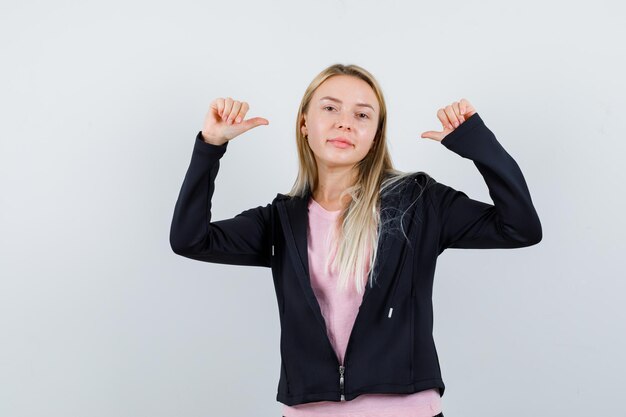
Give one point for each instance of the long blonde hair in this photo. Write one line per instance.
(361, 220)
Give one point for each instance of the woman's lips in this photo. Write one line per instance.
(340, 144)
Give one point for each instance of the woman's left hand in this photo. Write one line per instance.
(451, 117)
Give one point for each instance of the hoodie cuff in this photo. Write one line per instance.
(464, 128)
(205, 148)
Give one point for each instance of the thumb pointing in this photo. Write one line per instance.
(429, 134)
(256, 121)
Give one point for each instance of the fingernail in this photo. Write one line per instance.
(456, 124)
(238, 119)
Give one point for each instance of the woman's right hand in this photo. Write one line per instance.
(225, 121)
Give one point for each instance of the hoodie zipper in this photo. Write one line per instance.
(342, 367)
(341, 382)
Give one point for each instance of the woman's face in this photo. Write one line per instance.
(342, 108)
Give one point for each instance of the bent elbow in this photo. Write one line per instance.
(179, 247)
(533, 234)
(175, 247)
(537, 234)
(520, 237)
(536, 238)
(176, 250)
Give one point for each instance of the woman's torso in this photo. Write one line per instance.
(339, 309)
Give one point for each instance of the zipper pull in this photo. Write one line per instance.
(341, 371)
(272, 250)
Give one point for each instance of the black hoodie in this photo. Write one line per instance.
(391, 347)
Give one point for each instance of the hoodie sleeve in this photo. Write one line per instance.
(511, 222)
(241, 240)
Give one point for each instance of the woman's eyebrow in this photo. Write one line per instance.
(339, 101)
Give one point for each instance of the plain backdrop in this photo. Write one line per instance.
(100, 106)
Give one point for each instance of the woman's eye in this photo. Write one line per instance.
(366, 116)
(327, 107)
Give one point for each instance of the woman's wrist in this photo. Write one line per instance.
(212, 141)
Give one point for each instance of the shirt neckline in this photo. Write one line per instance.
(322, 210)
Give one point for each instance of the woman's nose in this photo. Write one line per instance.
(344, 121)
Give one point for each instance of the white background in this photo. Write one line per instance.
(100, 103)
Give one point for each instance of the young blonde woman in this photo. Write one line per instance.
(353, 245)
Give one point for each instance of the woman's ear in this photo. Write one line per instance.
(303, 128)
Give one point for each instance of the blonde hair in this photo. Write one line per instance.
(361, 225)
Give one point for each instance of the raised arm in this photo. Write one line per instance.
(241, 240)
(511, 222)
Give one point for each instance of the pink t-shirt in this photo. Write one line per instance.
(339, 309)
